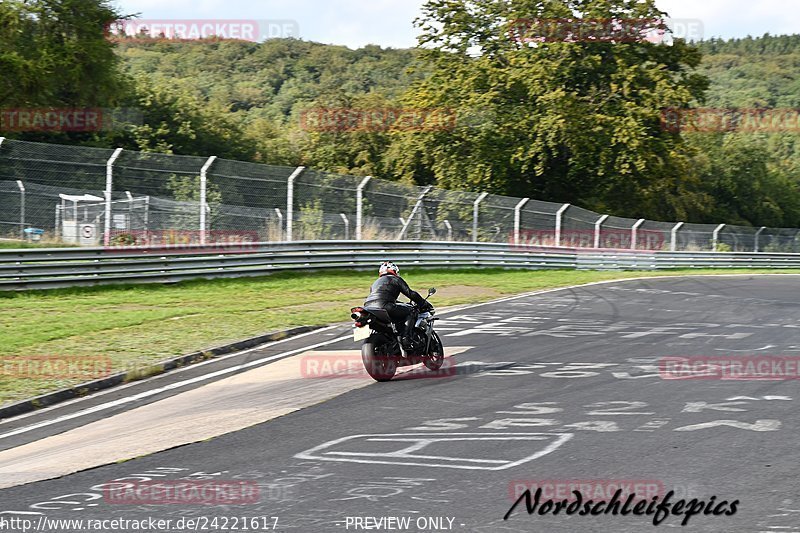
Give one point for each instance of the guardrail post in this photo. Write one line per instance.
(21, 209)
(475, 213)
(203, 196)
(673, 243)
(758, 235)
(417, 205)
(635, 232)
(518, 218)
(346, 226)
(449, 230)
(559, 219)
(360, 206)
(715, 236)
(109, 187)
(597, 228)
(290, 201)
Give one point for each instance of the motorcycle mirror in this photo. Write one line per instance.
(431, 291)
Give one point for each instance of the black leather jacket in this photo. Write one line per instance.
(387, 289)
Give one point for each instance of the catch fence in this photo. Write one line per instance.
(98, 196)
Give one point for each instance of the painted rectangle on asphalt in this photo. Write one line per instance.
(468, 451)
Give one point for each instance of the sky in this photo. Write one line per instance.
(389, 23)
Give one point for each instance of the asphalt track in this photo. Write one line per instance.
(556, 390)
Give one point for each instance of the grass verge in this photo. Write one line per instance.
(16, 245)
(133, 326)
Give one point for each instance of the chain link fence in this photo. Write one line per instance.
(96, 196)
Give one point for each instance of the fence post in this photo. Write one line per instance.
(758, 235)
(21, 209)
(475, 211)
(449, 230)
(109, 187)
(147, 217)
(635, 232)
(203, 197)
(518, 218)
(360, 205)
(346, 226)
(280, 223)
(673, 243)
(715, 236)
(417, 205)
(130, 209)
(597, 227)
(290, 202)
(559, 217)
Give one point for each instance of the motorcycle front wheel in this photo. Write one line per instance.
(379, 366)
(435, 358)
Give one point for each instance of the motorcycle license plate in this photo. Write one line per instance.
(359, 334)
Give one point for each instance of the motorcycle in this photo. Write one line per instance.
(382, 352)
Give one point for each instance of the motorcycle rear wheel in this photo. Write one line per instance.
(380, 367)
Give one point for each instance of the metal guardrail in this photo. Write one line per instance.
(70, 267)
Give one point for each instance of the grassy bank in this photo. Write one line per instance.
(137, 325)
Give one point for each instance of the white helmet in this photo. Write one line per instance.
(388, 267)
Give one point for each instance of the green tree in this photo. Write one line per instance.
(55, 53)
(178, 120)
(567, 121)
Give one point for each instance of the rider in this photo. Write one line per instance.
(384, 294)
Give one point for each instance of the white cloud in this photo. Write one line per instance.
(738, 18)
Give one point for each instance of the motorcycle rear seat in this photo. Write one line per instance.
(380, 313)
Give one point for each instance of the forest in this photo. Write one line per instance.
(577, 122)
